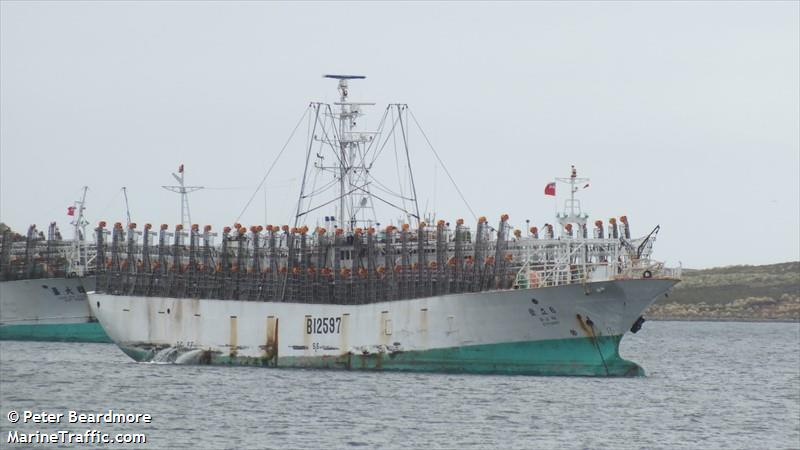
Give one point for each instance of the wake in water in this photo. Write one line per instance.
(168, 355)
(180, 355)
(190, 357)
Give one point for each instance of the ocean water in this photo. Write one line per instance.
(710, 385)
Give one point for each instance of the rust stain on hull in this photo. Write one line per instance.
(234, 337)
(271, 346)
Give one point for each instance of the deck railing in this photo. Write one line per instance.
(292, 266)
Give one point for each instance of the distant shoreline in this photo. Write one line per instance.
(769, 293)
(719, 319)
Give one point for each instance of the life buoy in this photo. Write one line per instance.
(647, 274)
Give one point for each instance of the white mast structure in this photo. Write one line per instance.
(355, 154)
(352, 173)
(78, 258)
(572, 207)
(127, 209)
(183, 190)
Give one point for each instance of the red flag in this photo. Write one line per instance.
(70, 210)
(550, 189)
(180, 168)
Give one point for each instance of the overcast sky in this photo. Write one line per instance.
(683, 114)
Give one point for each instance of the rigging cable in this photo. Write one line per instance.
(305, 170)
(397, 162)
(442, 163)
(273, 165)
(404, 130)
(102, 211)
(384, 188)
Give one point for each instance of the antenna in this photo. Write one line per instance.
(186, 217)
(345, 77)
(127, 209)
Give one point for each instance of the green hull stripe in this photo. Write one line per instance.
(57, 332)
(560, 357)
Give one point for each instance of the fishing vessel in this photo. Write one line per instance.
(353, 294)
(43, 284)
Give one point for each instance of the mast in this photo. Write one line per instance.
(183, 190)
(343, 151)
(348, 146)
(77, 259)
(127, 209)
(572, 208)
(355, 151)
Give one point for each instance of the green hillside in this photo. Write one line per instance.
(768, 292)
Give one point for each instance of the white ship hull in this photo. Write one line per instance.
(48, 309)
(565, 330)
